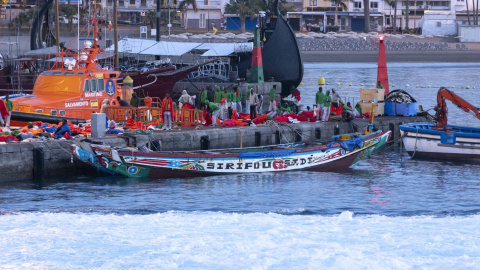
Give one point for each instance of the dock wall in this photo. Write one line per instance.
(29, 161)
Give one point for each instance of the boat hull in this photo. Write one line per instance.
(457, 143)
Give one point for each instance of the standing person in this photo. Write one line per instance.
(185, 98)
(135, 101)
(335, 98)
(259, 103)
(238, 98)
(253, 104)
(215, 109)
(271, 97)
(104, 105)
(203, 97)
(326, 107)
(247, 99)
(231, 103)
(123, 103)
(167, 112)
(9, 105)
(319, 99)
(296, 98)
(3, 112)
(218, 95)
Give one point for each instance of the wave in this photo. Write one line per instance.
(214, 240)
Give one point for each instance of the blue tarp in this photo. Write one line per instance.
(349, 145)
(267, 154)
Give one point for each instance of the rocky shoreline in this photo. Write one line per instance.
(338, 47)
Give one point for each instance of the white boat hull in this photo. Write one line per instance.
(420, 141)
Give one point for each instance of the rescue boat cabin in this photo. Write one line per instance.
(74, 87)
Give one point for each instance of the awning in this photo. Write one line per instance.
(168, 48)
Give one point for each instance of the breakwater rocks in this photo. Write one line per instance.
(350, 41)
(43, 159)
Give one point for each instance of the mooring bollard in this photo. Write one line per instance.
(38, 165)
(99, 125)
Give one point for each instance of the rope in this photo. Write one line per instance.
(415, 148)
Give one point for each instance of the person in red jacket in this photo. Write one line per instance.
(167, 112)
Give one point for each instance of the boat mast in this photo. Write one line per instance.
(57, 24)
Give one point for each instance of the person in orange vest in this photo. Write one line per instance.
(167, 112)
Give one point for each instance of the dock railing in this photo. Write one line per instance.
(180, 117)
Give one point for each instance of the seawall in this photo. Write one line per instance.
(31, 161)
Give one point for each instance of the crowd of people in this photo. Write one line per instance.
(220, 106)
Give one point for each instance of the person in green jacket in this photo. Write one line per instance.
(218, 95)
(319, 100)
(271, 97)
(215, 110)
(9, 105)
(238, 97)
(247, 99)
(203, 97)
(326, 106)
(135, 100)
(232, 103)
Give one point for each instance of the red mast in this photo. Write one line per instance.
(382, 74)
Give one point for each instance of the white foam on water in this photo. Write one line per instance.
(208, 240)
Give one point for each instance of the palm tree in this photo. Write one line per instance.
(150, 18)
(244, 9)
(183, 5)
(338, 3)
(69, 12)
(366, 14)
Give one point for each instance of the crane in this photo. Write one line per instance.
(441, 108)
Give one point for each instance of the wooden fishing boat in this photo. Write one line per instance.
(74, 87)
(333, 156)
(440, 140)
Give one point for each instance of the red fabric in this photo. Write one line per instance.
(281, 119)
(234, 115)
(240, 123)
(302, 119)
(3, 138)
(296, 94)
(229, 123)
(307, 114)
(337, 111)
(262, 118)
(208, 118)
(245, 116)
(66, 135)
(3, 108)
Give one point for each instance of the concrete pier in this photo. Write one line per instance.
(17, 160)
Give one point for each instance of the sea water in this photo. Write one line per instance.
(385, 212)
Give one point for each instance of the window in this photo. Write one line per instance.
(387, 21)
(205, 2)
(132, 2)
(373, 4)
(86, 86)
(93, 85)
(121, 3)
(357, 4)
(101, 85)
(202, 22)
(332, 3)
(109, 2)
(313, 3)
(143, 3)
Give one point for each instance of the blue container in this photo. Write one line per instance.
(390, 108)
(403, 109)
